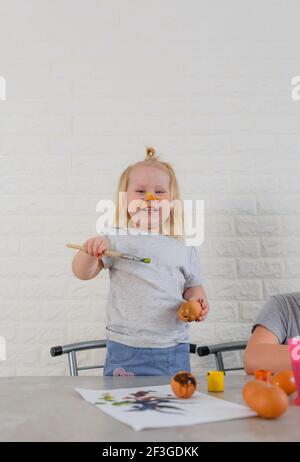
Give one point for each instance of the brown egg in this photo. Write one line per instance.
(189, 311)
(183, 384)
(269, 401)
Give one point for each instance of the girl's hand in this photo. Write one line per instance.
(198, 293)
(205, 308)
(96, 246)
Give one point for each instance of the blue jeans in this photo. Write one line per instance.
(127, 360)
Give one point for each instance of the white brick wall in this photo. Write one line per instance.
(89, 84)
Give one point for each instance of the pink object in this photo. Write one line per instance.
(121, 371)
(294, 349)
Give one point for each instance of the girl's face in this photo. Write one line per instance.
(144, 179)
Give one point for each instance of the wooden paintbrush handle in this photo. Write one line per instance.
(113, 253)
(108, 253)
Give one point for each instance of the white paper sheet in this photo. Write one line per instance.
(157, 407)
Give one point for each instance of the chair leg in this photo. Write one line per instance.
(219, 361)
(72, 363)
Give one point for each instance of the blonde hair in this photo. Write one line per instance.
(151, 159)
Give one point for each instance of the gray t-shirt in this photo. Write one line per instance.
(143, 299)
(281, 315)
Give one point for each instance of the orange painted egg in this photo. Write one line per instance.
(183, 384)
(269, 401)
(285, 380)
(189, 311)
(249, 389)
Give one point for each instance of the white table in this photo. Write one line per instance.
(49, 409)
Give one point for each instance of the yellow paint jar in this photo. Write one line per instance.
(215, 381)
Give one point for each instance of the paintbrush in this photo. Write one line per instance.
(114, 254)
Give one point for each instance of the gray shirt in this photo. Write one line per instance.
(144, 298)
(281, 315)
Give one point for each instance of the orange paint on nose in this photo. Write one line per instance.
(151, 197)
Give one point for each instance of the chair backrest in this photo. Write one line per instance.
(71, 351)
(72, 348)
(218, 350)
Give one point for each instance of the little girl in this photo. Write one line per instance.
(144, 333)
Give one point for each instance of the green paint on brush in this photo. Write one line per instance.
(146, 260)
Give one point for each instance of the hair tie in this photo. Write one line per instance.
(150, 152)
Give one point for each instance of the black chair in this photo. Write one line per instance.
(217, 350)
